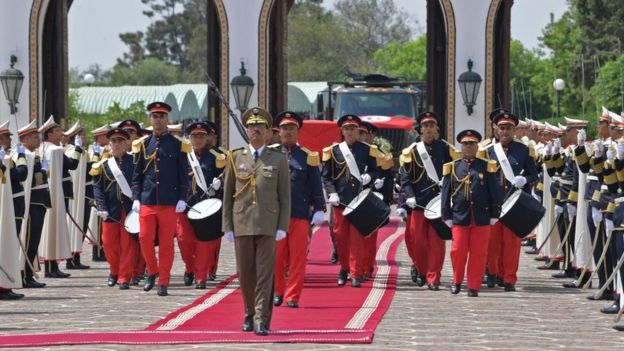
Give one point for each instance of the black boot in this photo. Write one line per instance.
(189, 277)
(28, 282)
(414, 274)
(52, 270)
(491, 281)
(76, 262)
(342, 278)
(613, 308)
(334, 257)
(8, 294)
(149, 282)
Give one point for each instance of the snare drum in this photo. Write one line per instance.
(433, 213)
(367, 212)
(205, 217)
(521, 213)
(132, 224)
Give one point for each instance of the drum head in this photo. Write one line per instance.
(356, 202)
(204, 209)
(132, 223)
(433, 209)
(511, 200)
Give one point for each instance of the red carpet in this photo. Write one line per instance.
(327, 314)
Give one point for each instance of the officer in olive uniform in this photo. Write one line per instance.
(159, 191)
(256, 213)
(306, 196)
(471, 203)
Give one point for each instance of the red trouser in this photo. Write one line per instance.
(204, 255)
(470, 243)
(350, 245)
(409, 239)
(370, 249)
(121, 249)
(291, 251)
(163, 218)
(503, 253)
(429, 249)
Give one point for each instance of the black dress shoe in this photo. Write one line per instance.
(277, 300)
(500, 282)
(112, 280)
(261, 330)
(162, 290)
(551, 267)
(473, 293)
(124, 286)
(292, 304)
(247, 324)
(612, 309)
(57, 274)
(74, 263)
(455, 289)
(540, 258)
(149, 283)
(188, 278)
(212, 277)
(433, 287)
(33, 284)
(200, 285)
(334, 257)
(356, 282)
(414, 274)
(342, 278)
(10, 295)
(532, 251)
(607, 295)
(509, 287)
(564, 274)
(491, 281)
(136, 280)
(421, 280)
(619, 327)
(571, 285)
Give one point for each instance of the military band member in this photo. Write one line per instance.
(504, 245)
(113, 175)
(306, 196)
(256, 213)
(201, 257)
(471, 203)
(348, 167)
(18, 170)
(159, 191)
(97, 151)
(420, 187)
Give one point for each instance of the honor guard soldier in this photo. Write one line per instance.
(419, 176)
(256, 213)
(348, 167)
(471, 204)
(113, 200)
(159, 191)
(306, 196)
(200, 255)
(504, 246)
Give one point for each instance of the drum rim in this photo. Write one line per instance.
(512, 199)
(428, 209)
(131, 215)
(190, 213)
(349, 208)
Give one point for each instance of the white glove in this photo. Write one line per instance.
(558, 210)
(366, 178)
(449, 223)
(334, 199)
(556, 147)
(571, 210)
(610, 155)
(21, 149)
(620, 151)
(136, 206)
(2, 153)
(401, 212)
(608, 226)
(519, 181)
(102, 214)
(78, 141)
(598, 148)
(180, 206)
(397, 187)
(411, 202)
(216, 184)
(96, 148)
(279, 235)
(378, 184)
(596, 215)
(229, 236)
(548, 149)
(318, 218)
(581, 137)
(493, 221)
(44, 165)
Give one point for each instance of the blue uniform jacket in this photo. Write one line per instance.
(19, 173)
(108, 196)
(161, 172)
(519, 160)
(41, 196)
(211, 168)
(306, 190)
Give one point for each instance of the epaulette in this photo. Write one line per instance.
(447, 168)
(185, 146)
(327, 152)
(220, 159)
(96, 167)
(482, 154)
(532, 151)
(137, 144)
(406, 154)
(386, 162)
(313, 159)
(222, 149)
(373, 150)
(485, 142)
(492, 166)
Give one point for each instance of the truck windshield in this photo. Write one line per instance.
(375, 104)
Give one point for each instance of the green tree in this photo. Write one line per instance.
(150, 71)
(607, 91)
(529, 77)
(407, 61)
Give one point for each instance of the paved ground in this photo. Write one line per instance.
(540, 315)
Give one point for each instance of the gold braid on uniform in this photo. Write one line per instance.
(251, 180)
(345, 169)
(463, 183)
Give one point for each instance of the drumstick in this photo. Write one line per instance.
(192, 209)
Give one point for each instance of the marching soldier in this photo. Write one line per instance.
(97, 151)
(347, 168)
(113, 202)
(419, 174)
(256, 212)
(504, 245)
(306, 195)
(18, 170)
(159, 191)
(201, 257)
(471, 203)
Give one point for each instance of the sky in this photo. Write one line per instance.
(94, 25)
